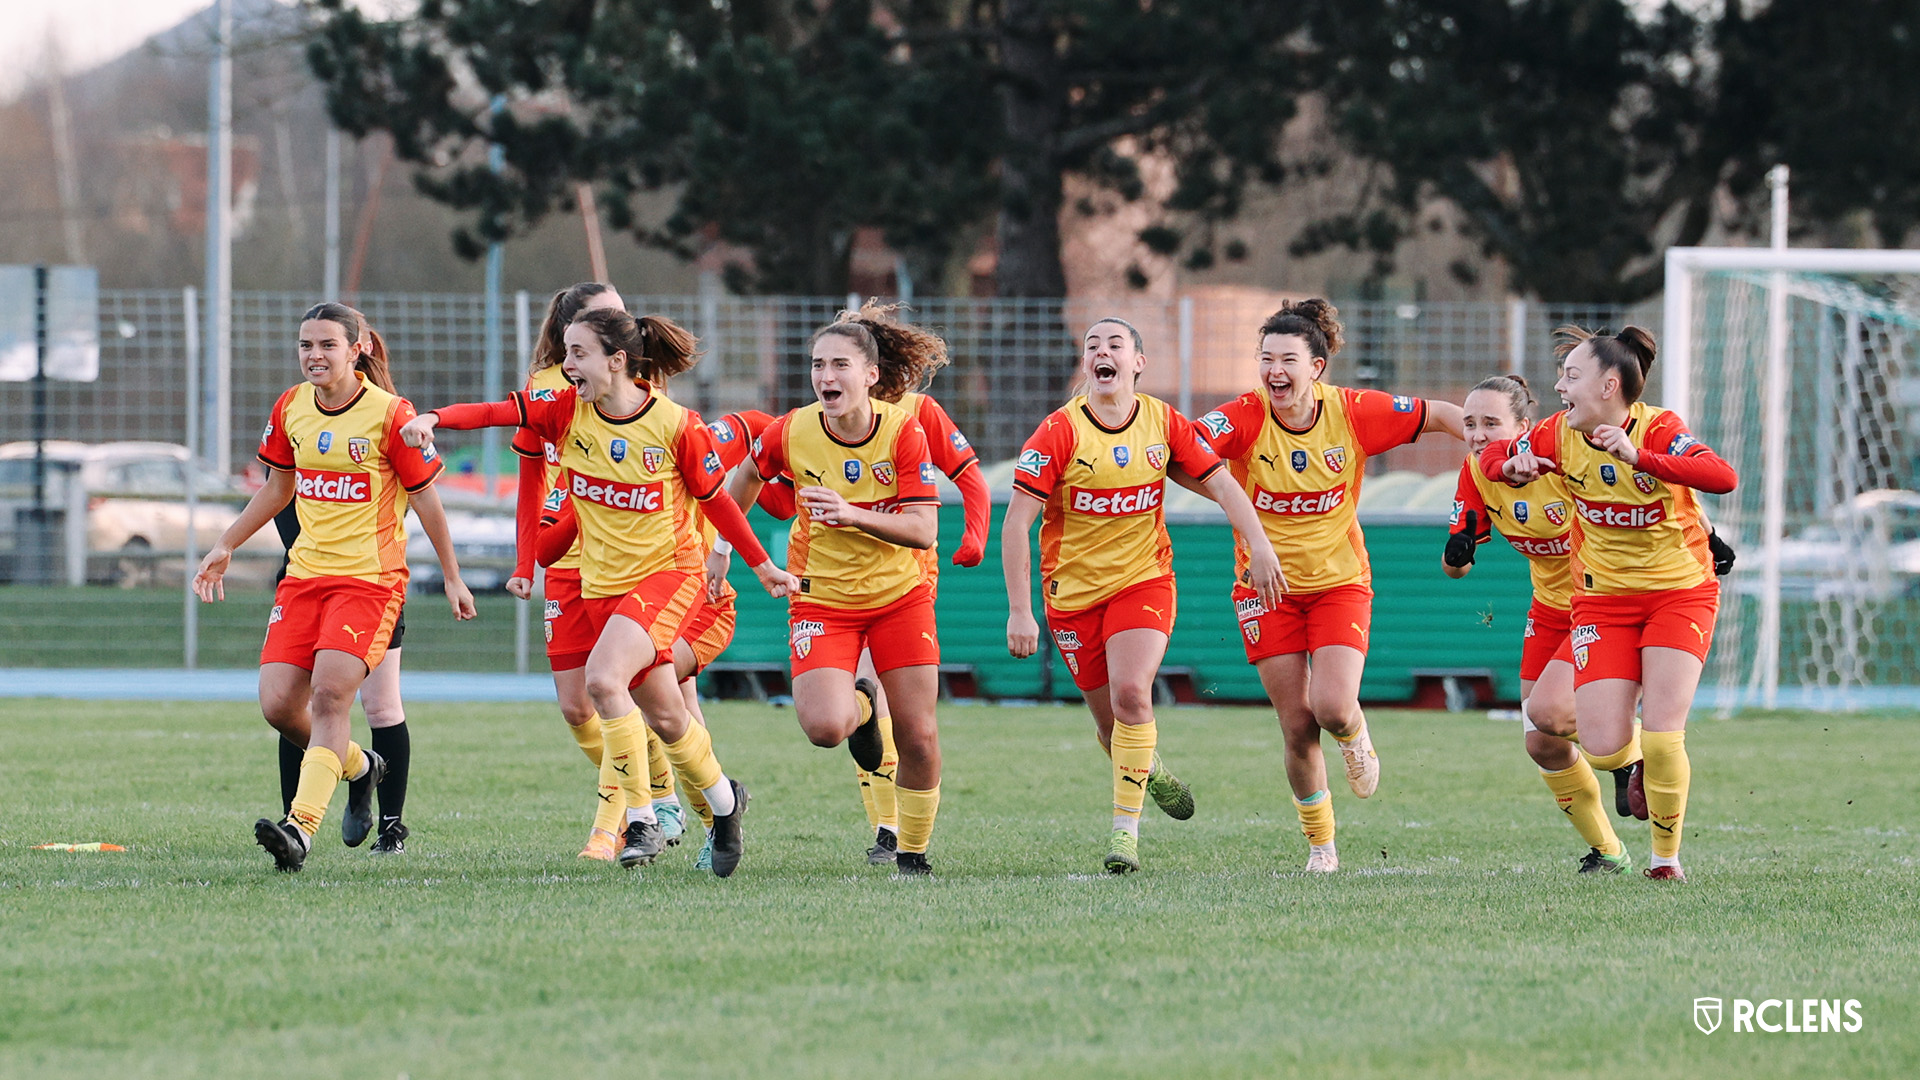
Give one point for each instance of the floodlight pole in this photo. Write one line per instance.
(1773, 512)
(491, 372)
(330, 275)
(217, 338)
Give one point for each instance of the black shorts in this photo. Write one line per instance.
(399, 630)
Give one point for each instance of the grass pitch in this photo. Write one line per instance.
(1456, 940)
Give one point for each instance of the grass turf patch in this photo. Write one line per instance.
(1456, 939)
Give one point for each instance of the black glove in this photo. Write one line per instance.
(1722, 552)
(1461, 546)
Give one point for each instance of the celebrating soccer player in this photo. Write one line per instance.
(1644, 593)
(866, 502)
(635, 463)
(333, 445)
(1299, 447)
(1095, 473)
(1537, 520)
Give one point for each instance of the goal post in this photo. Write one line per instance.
(1802, 368)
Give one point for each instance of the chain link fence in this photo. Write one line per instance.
(1013, 362)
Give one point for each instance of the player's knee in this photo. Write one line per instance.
(1132, 702)
(331, 700)
(1550, 752)
(1554, 718)
(1338, 716)
(577, 711)
(609, 693)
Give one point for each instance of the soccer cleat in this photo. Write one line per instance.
(1637, 791)
(912, 864)
(1363, 765)
(1595, 862)
(600, 846)
(645, 842)
(1622, 780)
(1170, 793)
(1123, 853)
(392, 839)
(1322, 859)
(673, 821)
(865, 744)
(357, 822)
(287, 845)
(885, 849)
(727, 839)
(705, 859)
(1667, 873)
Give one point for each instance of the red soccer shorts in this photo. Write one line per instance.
(709, 630)
(1545, 639)
(1304, 622)
(1609, 631)
(570, 634)
(1081, 636)
(662, 605)
(347, 614)
(900, 634)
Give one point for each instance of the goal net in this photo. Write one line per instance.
(1802, 368)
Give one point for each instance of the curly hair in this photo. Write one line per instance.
(657, 349)
(1316, 320)
(907, 355)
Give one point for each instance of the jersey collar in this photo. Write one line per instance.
(872, 428)
(1086, 408)
(351, 402)
(1319, 406)
(652, 396)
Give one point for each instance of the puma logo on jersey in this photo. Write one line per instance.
(356, 635)
(1157, 613)
(583, 444)
(815, 477)
(1696, 629)
(1084, 461)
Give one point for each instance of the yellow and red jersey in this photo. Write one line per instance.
(1536, 519)
(351, 478)
(1636, 528)
(1104, 527)
(546, 385)
(632, 481)
(1305, 484)
(949, 451)
(839, 565)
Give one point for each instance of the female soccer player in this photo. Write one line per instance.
(1298, 447)
(1536, 519)
(1644, 593)
(1094, 473)
(333, 443)
(635, 462)
(864, 484)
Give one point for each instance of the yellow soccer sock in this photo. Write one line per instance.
(659, 769)
(1316, 816)
(588, 736)
(917, 811)
(1577, 790)
(866, 796)
(1669, 774)
(697, 802)
(319, 775)
(693, 758)
(620, 769)
(354, 765)
(1620, 758)
(886, 802)
(1132, 752)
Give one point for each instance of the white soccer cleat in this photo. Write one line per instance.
(1363, 765)
(1322, 859)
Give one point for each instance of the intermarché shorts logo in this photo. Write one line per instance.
(1801, 1016)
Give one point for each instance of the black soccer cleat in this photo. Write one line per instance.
(1621, 779)
(912, 864)
(287, 845)
(865, 744)
(885, 849)
(357, 822)
(728, 840)
(1637, 790)
(645, 842)
(392, 839)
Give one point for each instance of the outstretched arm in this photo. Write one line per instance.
(266, 502)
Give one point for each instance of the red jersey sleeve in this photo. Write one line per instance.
(698, 458)
(526, 513)
(917, 478)
(1037, 471)
(1543, 441)
(1467, 500)
(527, 444)
(416, 466)
(777, 498)
(1670, 452)
(1188, 450)
(1384, 421)
(949, 450)
(770, 450)
(276, 450)
(1231, 428)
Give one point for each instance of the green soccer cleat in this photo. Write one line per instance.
(1593, 862)
(705, 859)
(673, 821)
(1123, 853)
(1170, 793)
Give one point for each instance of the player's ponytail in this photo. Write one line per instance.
(551, 348)
(1628, 354)
(657, 349)
(907, 355)
(1514, 388)
(373, 361)
(1316, 320)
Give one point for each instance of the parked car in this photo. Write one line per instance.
(136, 507)
(482, 542)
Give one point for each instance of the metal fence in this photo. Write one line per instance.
(1013, 361)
